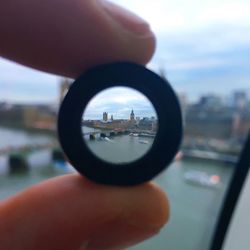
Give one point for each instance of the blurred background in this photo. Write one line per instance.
(203, 49)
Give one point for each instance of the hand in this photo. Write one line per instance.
(66, 37)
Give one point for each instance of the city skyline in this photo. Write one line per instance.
(119, 102)
(125, 115)
(105, 116)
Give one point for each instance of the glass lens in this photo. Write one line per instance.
(119, 125)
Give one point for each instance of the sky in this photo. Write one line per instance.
(119, 102)
(203, 46)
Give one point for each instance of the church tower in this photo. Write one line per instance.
(132, 115)
(105, 116)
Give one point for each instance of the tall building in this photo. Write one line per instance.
(64, 86)
(132, 115)
(105, 116)
(210, 102)
(240, 99)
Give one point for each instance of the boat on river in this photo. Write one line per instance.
(143, 141)
(134, 134)
(202, 178)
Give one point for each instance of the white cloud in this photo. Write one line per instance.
(181, 15)
(117, 95)
(231, 13)
(192, 35)
(197, 64)
(118, 101)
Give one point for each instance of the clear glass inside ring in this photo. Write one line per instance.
(119, 125)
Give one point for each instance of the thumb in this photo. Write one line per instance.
(70, 212)
(66, 37)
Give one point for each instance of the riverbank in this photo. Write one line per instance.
(139, 132)
(209, 156)
(31, 130)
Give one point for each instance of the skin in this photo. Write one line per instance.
(66, 37)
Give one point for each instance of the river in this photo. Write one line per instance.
(194, 208)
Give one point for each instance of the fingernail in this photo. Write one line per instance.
(126, 19)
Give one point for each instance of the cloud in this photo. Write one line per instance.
(117, 95)
(231, 13)
(119, 102)
(215, 59)
(203, 46)
(165, 15)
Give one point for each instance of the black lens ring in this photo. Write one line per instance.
(124, 74)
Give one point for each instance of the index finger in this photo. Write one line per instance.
(66, 37)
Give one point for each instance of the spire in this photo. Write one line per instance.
(132, 115)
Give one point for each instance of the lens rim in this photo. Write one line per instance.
(167, 139)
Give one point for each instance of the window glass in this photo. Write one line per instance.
(203, 50)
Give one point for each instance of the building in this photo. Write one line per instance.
(240, 99)
(105, 116)
(146, 123)
(29, 116)
(209, 122)
(132, 116)
(183, 100)
(137, 119)
(210, 102)
(241, 124)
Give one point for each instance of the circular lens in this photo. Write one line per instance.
(112, 134)
(119, 125)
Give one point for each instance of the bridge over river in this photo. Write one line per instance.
(94, 134)
(17, 156)
(26, 148)
(111, 133)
